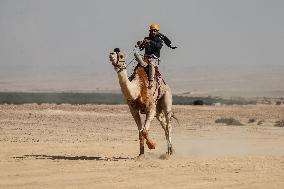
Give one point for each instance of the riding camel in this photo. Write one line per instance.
(154, 102)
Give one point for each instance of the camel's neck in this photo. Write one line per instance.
(129, 89)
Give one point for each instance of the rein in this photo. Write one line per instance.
(124, 67)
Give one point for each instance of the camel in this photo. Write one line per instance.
(142, 100)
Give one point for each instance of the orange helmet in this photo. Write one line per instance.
(154, 27)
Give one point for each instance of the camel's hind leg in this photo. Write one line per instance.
(137, 118)
(166, 105)
(149, 117)
(162, 119)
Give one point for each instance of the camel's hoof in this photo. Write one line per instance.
(151, 144)
(140, 157)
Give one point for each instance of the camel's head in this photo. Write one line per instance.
(117, 59)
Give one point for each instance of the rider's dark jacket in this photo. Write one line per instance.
(154, 46)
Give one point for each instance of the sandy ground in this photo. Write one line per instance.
(93, 146)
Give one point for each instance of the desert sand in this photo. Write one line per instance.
(94, 146)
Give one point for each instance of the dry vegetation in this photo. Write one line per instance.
(229, 121)
(251, 120)
(279, 123)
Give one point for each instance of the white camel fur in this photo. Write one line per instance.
(142, 100)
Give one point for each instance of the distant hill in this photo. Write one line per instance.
(101, 98)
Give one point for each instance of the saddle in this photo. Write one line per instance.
(157, 76)
(157, 72)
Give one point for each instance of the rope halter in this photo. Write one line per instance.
(119, 62)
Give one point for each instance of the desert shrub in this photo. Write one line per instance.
(260, 122)
(229, 121)
(251, 120)
(198, 102)
(278, 103)
(279, 123)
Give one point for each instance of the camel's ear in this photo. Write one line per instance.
(116, 50)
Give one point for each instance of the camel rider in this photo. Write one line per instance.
(152, 45)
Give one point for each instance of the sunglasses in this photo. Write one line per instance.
(153, 30)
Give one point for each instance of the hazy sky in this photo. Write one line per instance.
(64, 44)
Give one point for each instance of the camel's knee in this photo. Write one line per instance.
(149, 118)
(144, 134)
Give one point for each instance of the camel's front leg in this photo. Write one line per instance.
(149, 117)
(137, 119)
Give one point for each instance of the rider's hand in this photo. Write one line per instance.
(139, 43)
(146, 41)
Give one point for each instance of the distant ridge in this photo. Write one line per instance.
(234, 94)
(100, 98)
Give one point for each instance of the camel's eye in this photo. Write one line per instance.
(121, 56)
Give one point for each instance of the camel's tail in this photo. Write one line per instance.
(174, 116)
